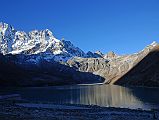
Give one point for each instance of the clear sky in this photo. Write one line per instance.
(122, 26)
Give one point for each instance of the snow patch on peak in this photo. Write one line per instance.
(7, 34)
(6, 28)
(154, 43)
(36, 42)
(70, 48)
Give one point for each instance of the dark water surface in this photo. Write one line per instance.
(101, 95)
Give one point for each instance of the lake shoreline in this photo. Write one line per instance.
(58, 103)
(23, 110)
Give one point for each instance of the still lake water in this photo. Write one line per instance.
(101, 95)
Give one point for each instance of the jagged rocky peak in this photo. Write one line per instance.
(6, 28)
(34, 42)
(110, 55)
(96, 54)
(43, 41)
(75, 51)
(7, 34)
(90, 54)
(99, 53)
(149, 48)
(43, 34)
(154, 43)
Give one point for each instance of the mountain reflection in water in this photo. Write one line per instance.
(101, 95)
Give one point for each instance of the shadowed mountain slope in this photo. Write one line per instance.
(38, 58)
(144, 73)
(43, 74)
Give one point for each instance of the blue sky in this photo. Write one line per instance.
(122, 26)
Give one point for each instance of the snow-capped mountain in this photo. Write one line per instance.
(38, 57)
(43, 45)
(35, 42)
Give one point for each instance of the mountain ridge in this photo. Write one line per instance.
(30, 51)
(33, 38)
(34, 42)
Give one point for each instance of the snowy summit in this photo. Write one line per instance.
(34, 42)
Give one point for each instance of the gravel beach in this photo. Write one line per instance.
(19, 110)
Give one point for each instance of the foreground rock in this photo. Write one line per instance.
(10, 97)
(30, 111)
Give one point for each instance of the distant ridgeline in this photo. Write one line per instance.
(37, 58)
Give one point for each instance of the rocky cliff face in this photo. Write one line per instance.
(44, 59)
(111, 67)
(144, 73)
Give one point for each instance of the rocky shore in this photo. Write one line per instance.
(22, 110)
